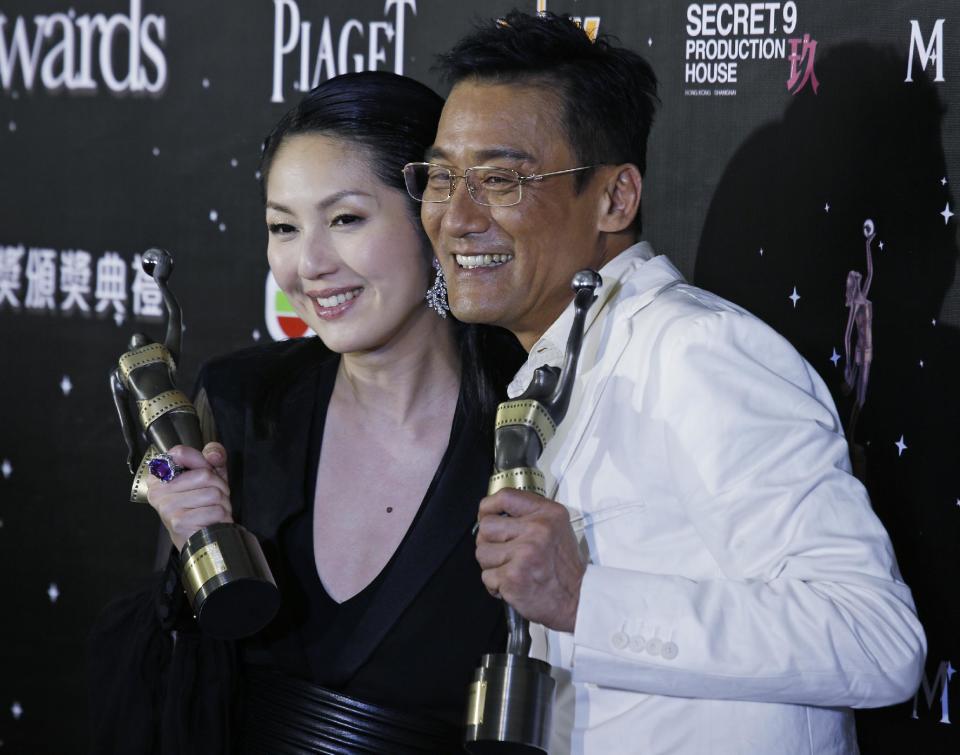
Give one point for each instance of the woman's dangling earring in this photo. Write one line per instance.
(437, 293)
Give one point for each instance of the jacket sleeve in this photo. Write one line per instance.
(806, 605)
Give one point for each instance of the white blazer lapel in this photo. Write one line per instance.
(605, 340)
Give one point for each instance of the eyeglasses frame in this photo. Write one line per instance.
(456, 177)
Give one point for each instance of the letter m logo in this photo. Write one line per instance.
(941, 681)
(927, 52)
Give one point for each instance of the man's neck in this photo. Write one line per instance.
(615, 244)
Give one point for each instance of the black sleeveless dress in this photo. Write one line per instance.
(406, 645)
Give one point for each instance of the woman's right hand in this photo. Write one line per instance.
(195, 498)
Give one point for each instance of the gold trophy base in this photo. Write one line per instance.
(509, 706)
(228, 582)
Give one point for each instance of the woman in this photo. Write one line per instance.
(357, 458)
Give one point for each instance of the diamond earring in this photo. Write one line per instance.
(437, 293)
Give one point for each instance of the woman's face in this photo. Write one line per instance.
(342, 245)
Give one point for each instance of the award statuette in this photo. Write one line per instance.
(510, 704)
(225, 575)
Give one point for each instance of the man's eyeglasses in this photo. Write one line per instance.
(491, 187)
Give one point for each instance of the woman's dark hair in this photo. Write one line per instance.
(393, 119)
(608, 93)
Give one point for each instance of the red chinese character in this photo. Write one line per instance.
(796, 59)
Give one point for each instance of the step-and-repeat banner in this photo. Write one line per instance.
(801, 165)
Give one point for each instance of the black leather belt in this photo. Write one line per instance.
(287, 716)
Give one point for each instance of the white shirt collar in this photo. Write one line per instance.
(549, 348)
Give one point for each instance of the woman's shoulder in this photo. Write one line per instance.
(248, 370)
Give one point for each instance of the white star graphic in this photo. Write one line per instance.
(761, 251)
(205, 83)
(901, 446)
(950, 671)
(213, 216)
(794, 297)
(826, 207)
(834, 357)
(933, 322)
(881, 246)
(943, 181)
(17, 710)
(921, 363)
(946, 214)
(65, 385)
(53, 592)
(6, 468)
(156, 152)
(256, 334)
(649, 41)
(234, 162)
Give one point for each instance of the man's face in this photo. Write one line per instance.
(511, 266)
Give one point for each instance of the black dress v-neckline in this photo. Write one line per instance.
(328, 625)
(414, 637)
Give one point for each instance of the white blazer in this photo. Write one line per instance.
(740, 594)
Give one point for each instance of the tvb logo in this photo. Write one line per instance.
(281, 318)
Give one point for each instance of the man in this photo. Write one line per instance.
(705, 576)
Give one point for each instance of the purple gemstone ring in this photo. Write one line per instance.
(163, 467)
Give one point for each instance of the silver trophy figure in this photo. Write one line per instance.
(510, 705)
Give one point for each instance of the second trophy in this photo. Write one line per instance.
(510, 704)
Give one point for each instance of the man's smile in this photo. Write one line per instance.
(471, 261)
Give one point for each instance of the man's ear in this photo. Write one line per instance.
(621, 198)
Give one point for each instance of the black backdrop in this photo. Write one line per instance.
(126, 124)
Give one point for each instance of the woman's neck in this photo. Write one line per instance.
(416, 373)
